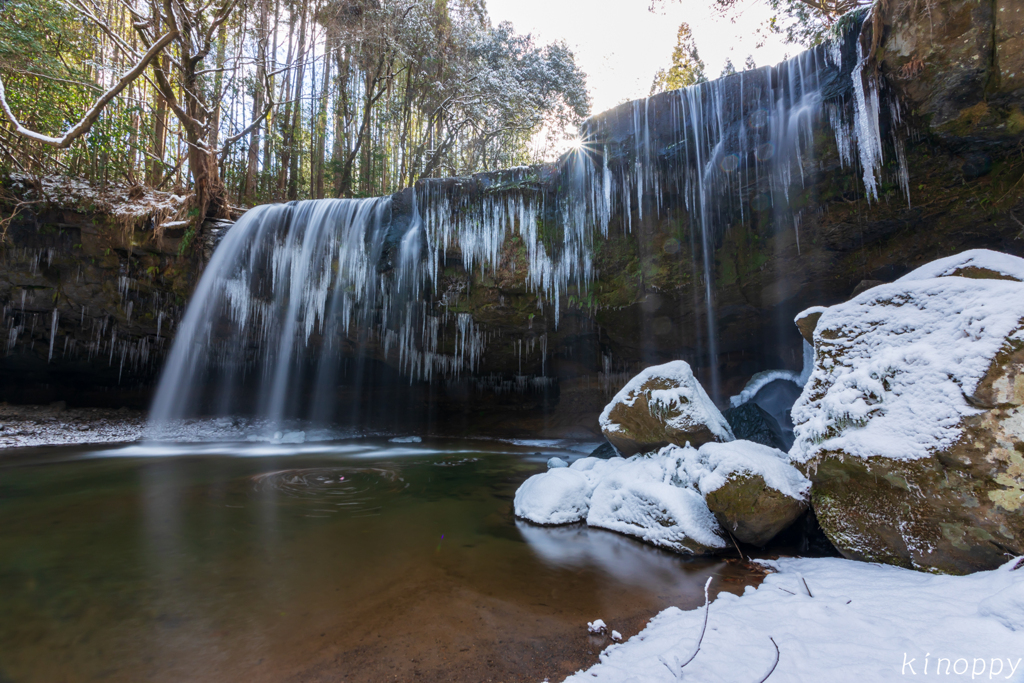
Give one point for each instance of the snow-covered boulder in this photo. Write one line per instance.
(653, 498)
(752, 489)
(659, 497)
(664, 404)
(912, 424)
(559, 496)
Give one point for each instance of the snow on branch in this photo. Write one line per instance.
(90, 117)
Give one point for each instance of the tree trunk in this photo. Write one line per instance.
(295, 132)
(249, 185)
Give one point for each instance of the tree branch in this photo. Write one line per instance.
(93, 114)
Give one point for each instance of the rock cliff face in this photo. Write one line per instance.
(90, 292)
(705, 249)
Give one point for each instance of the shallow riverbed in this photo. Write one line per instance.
(347, 561)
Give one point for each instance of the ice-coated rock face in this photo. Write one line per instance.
(912, 424)
(664, 404)
(660, 497)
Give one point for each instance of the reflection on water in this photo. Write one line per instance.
(360, 561)
(581, 547)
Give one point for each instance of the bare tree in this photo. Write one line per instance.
(83, 126)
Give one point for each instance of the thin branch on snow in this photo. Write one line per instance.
(774, 664)
(93, 114)
(677, 670)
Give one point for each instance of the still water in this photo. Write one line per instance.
(348, 561)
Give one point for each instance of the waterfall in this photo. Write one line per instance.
(295, 291)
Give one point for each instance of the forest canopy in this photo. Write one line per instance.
(262, 100)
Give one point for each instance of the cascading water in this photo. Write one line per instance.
(296, 294)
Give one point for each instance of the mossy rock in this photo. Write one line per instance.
(750, 510)
(663, 405)
(957, 510)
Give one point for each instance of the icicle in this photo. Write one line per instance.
(53, 334)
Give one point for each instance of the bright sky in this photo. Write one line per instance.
(619, 44)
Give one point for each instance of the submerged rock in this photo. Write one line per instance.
(664, 404)
(753, 423)
(912, 425)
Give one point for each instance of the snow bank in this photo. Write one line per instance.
(657, 497)
(119, 200)
(1008, 266)
(685, 405)
(865, 622)
(893, 365)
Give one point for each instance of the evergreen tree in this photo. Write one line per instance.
(686, 69)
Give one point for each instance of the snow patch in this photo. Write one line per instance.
(754, 459)
(1004, 264)
(865, 622)
(893, 370)
(118, 200)
(762, 379)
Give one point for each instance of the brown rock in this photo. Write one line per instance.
(752, 511)
(664, 404)
(959, 509)
(807, 321)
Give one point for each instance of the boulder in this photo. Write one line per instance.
(660, 513)
(912, 424)
(751, 422)
(807, 320)
(664, 404)
(559, 496)
(659, 498)
(752, 490)
(604, 451)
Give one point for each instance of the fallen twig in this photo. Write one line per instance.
(774, 664)
(735, 545)
(677, 671)
(808, 588)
